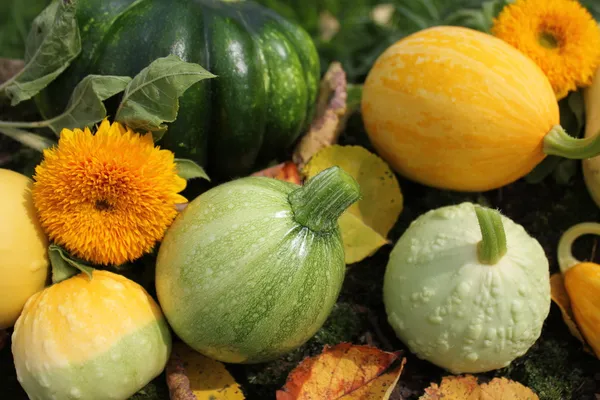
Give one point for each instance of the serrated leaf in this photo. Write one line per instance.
(188, 169)
(152, 97)
(345, 371)
(86, 106)
(63, 266)
(374, 215)
(53, 42)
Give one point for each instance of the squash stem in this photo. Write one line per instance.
(493, 243)
(565, 256)
(559, 143)
(320, 202)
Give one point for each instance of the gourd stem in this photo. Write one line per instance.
(566, 259)
(493, 243)
(559, 143)
(320, 202)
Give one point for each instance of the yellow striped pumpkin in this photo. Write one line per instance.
(459, 109)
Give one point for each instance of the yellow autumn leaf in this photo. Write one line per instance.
(466, 387)
(192, 376)
(344, 372)
(366, 224)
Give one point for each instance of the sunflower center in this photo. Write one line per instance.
(102, 205)
(548, 40)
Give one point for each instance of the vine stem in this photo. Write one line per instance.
(566, 259)
(22, 124)
(559, 143)
(28, 139)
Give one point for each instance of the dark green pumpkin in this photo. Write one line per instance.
(267, 74)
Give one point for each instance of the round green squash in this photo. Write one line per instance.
(251, 269)
(467, 288)
(267, 71)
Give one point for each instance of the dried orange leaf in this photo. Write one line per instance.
(345, 371)
(560, 297)
(505, 389)
(366, 224)
(330, 117)
(192, 376)
(466, 387)
(453, 388)
(287, 171)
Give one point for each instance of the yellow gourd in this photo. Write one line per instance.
(582, 283)
(455, 108)
(23, 247)
(591, 166)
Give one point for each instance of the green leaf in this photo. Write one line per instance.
(16, 17)
(152, 97)
(187, 169)
(53, 42)
(86, 105)
(63, 266)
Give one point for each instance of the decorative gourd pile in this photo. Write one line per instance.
(251, 268)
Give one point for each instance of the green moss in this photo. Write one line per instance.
(555, 368)
(155, 390)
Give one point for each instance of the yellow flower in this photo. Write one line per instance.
(106, 198)
(561, 36)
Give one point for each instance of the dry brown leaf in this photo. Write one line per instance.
(9, 67)
(466, 387)
(329, 26)
(559, 295)
(286, 171)
(345, 371)
(330, 117)
(192, 376)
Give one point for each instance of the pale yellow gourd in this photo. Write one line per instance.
(24, 261)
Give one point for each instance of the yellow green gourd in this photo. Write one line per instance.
(97, 338)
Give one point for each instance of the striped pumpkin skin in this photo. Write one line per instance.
(239, 280)
(93, 339)
(458, 109)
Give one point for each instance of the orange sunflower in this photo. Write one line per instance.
(107, 198)
(561, 36)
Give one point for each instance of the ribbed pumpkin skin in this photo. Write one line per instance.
(239, 280)
(262, 100)
(454, 108)
(582, 283)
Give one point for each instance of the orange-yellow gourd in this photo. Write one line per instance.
(582, 283)
(459, 109)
